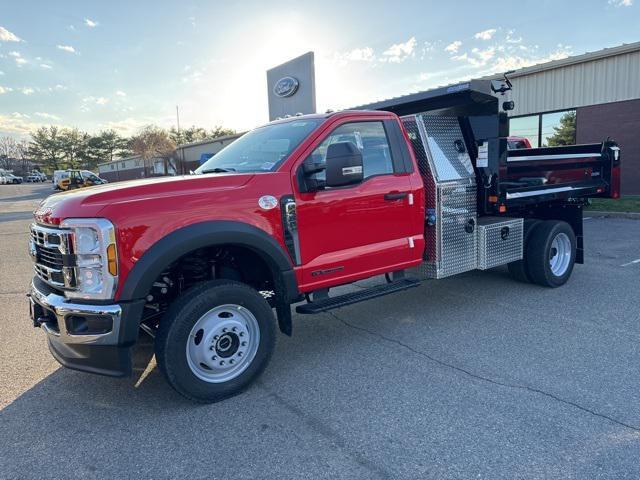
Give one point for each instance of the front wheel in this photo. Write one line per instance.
(551, 253)
(215, 340)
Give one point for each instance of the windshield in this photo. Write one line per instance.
(260, 150)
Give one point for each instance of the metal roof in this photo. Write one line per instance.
(573, 60)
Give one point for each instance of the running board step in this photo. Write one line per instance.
(355, 297)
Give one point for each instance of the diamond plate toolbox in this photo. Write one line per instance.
(499, 241)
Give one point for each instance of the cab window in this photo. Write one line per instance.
(369, 137)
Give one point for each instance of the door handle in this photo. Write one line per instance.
(396, 196)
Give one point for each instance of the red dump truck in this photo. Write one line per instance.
(415, 188)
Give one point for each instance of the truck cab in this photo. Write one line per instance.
(412, 189)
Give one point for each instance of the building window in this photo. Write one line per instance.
(558, 128)
(546, 129)
(527, 127)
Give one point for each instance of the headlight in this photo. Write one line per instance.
(93, 245)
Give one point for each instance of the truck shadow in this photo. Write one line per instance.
(94, 413)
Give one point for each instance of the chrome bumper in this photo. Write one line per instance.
(57, 309)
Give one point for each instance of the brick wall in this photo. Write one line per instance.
(621, 122)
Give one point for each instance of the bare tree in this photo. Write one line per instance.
(154, 142)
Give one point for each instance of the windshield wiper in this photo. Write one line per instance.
(218, 170)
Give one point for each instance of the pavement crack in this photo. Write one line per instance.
(486, 379)
(317, 425)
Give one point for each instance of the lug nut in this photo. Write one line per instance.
(231, 361)
(221, 362)
(214, 358)
(239, 354)
(212, 348)
(242, 334)
(224, 330)
(234, 329)
(215, 337)
(244, 344)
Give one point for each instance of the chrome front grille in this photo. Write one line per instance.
(52, 251)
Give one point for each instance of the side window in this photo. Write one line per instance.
(369, 137)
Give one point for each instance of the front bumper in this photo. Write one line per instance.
(87, 337)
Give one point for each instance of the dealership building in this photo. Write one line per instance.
(587, 98)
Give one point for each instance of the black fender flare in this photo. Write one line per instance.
(204, 234)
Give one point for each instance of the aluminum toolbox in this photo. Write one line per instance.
(499, 241)
(450, 194)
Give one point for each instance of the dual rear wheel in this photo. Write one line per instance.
(549, 253)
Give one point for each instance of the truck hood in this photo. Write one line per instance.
(88, 202)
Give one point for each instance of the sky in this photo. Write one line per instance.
(122, 65)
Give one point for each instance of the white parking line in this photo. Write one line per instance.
(630, 263)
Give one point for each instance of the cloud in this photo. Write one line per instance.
(511, 61)
(399, 52)
(1, 72)
(5, 89)
(7, 36)
(477, 57)
(27, 90)
(48, 116)
(90, 23)
(57, 88)
(120, 93)
(364, 54)
(126, 126)
(66, 48)
(511, 38)
(453, 47)
(621, 3)
(45, 66)
(485, 34)
(91, 100)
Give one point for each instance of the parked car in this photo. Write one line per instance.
(11, 178)
(517, 143)
(3, 179)
(78, 179)
(33, 178)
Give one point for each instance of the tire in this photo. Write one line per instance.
(551, 253)
(519, 270)
(196, 320)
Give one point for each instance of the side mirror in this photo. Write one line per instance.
(344, 165)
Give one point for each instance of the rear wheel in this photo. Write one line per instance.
(519, 269)
(215, 340)
(551, 253)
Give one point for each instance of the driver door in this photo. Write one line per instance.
(356, 231)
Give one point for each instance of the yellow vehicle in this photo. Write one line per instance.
(78, 179)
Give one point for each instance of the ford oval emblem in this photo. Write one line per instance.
(267, 202)
(285, 87)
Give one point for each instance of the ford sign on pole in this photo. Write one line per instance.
(292, 87)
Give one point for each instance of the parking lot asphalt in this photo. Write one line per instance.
(475, 376)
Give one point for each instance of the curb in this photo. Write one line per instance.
(596, 213)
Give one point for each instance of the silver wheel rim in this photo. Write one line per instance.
(223, 343)
(560, 254)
